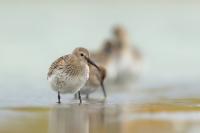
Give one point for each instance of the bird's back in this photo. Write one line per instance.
(68, 64)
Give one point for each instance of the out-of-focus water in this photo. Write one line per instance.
(165, 99)
(167, 117)
(153, 110)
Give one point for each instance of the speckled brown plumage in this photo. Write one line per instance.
(67, 64)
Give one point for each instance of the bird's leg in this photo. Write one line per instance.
(103, 89)
(87, 96)
(75, 95)
(59, 97)
(79, 96)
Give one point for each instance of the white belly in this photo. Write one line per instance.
(128, 66)
(125, 62)
(111, 70)
(68, 84)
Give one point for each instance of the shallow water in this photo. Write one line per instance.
(138, 111)
(101, 118)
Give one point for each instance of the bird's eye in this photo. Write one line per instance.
(81, 54)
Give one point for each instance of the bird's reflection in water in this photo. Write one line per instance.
(70, 119)
(83, 119)
(100, 118)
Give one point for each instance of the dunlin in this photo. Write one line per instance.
(69, 73)
(129, 58)
(95, 81)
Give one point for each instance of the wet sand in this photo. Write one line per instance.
(164, 116)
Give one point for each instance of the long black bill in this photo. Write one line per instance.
(103, 89)
(92, 63)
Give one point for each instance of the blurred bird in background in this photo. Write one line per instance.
(129, 58)
(106, 57)
(122, 60)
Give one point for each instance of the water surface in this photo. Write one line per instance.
(137, 111)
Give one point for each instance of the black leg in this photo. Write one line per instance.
(59, 97)
(87, 96)
(79, 96)
(103, 89)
